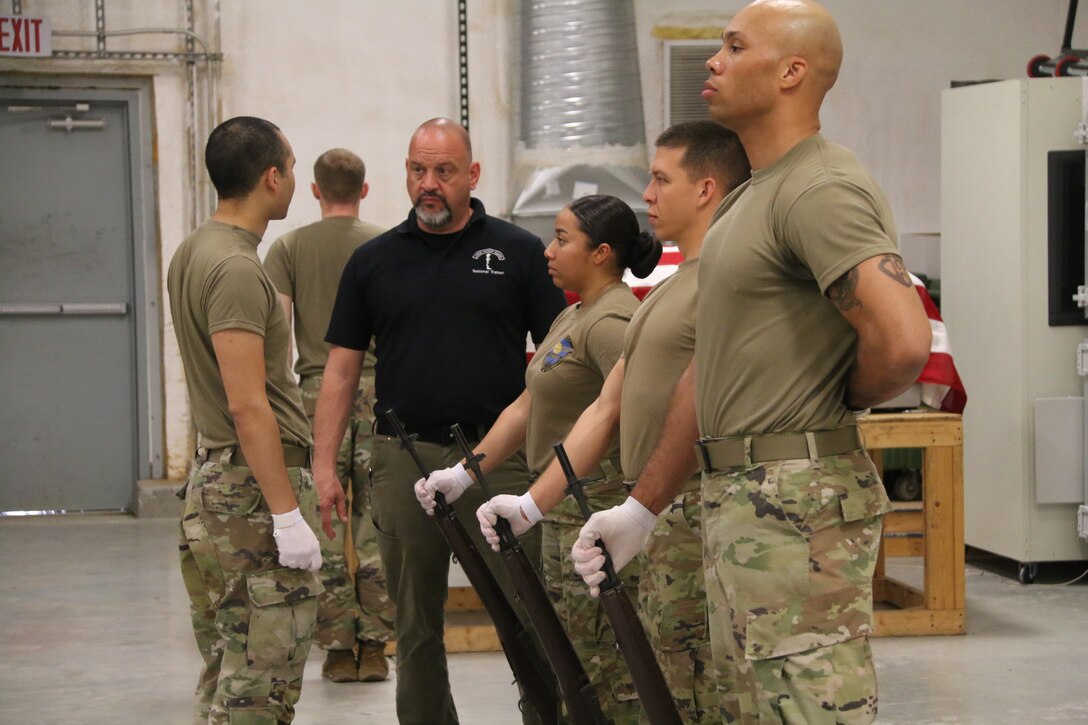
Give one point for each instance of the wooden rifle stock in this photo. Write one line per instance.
(583, 708)
(517, 645)
(634, 646)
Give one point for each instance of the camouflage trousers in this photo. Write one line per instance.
(790, 549)
(582, 616)
(252, 618)
(672, 605)
(356, 604)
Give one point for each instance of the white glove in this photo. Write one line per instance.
(624, 529)
(450, 482)
(296, 542)
(521, 511)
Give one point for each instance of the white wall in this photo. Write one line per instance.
(364, 73)
(898, 57)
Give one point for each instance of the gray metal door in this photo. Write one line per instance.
(68, 389)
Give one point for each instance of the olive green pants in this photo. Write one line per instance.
(417, 562)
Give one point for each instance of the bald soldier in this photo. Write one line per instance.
(449, 296)
(806, 314)
(354, 615)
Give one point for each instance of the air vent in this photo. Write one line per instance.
(685, 73)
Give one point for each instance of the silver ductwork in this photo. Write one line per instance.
(580, 121)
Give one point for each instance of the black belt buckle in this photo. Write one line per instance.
(445, 435)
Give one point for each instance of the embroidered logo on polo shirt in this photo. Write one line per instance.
(491, 258)
(559, 352)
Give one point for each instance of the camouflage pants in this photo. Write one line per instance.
(583, 616)
(355, 605)
(253, 619)
(790, 548)
(672, 604)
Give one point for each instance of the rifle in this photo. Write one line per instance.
(578, 694)
(525, 663)
(637, 653)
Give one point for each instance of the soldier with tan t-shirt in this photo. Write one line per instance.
(567, 371)
(355, 615)
(695, 166)
(249, 555)
(596, 239)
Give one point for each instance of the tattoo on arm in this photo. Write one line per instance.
(892, 265)
(843, 291)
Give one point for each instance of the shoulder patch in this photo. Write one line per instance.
(559, 352)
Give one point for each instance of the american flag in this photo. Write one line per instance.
(941, 385)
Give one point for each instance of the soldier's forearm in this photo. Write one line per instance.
(506, 436)
(673, 459)
(586, 444)
(338, 384)
(259, 438)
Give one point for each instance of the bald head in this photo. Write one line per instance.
(441, 175)
(446, 132)
(805, 29)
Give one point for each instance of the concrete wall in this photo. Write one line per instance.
(363, 74)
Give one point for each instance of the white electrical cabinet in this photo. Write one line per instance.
(994, 143)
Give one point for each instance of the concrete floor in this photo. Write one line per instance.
(98, 632)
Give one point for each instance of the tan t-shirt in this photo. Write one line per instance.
(658, 347)
(216, 282)
(772, 352)
(306, 264)
(569, 368)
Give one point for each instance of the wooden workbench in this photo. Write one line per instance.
(940, 606)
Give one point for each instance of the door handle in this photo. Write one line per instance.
(87, 309)
(69, 124)
(90, 309)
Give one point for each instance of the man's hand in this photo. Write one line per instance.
(450, 482)
(330, 496)
(338, 386)
(295, 540)
(521, 511)
(624, 529)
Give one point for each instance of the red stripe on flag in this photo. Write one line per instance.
(940, 370)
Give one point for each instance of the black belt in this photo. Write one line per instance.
(717, 454)
(438, 434)
(293, 456)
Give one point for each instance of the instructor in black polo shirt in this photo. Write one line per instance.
(449, 296)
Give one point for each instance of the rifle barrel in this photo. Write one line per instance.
(583, 707)
(653, 691)
(529, 670)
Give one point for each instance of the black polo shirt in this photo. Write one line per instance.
(449, 314)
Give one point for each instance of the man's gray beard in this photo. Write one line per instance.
(434, 219)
